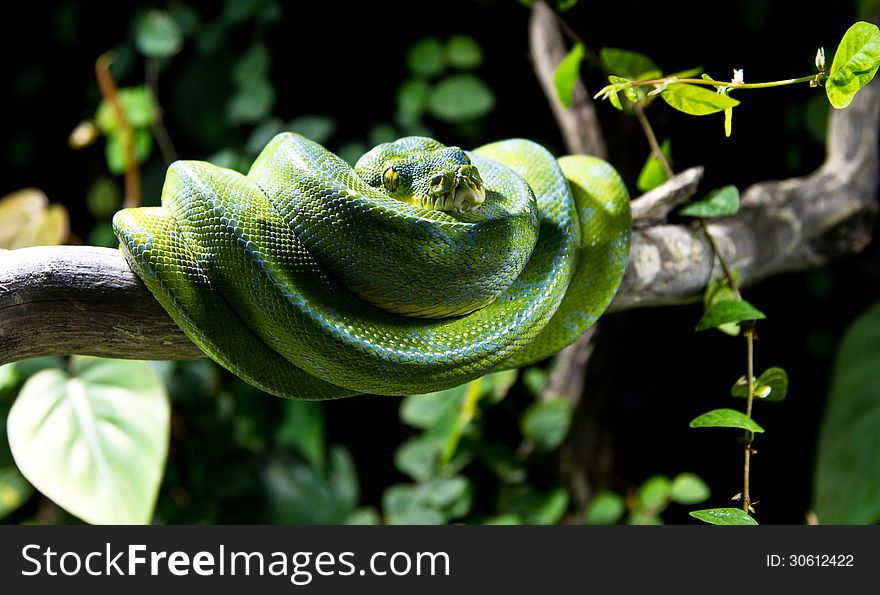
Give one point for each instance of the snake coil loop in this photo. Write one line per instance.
(422, 268)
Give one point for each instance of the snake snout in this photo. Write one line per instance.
(468, 196)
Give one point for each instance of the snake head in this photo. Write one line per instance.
(425, 173)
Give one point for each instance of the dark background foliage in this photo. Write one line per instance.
(650, 371)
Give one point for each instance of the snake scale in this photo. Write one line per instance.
(421, 268)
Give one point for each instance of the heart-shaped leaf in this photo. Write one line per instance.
(95, 440)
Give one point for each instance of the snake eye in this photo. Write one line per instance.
(437, 180)
(391, 179)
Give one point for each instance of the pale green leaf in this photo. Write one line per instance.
(695, 100)
(546, 423)
(688, 488)
(405, 505)
(653, 173)
(653, 494)
(855, 63)
(95, 441)
(417, 457)
(724, 516)
(720, 202)
(726, 418)
(412, 100)
(606, 508)
(252, 102)
(460, 98)
(463, 52)
(138, 107)
(114, 149)
(426, 57)
(157, 34)
(566, 75)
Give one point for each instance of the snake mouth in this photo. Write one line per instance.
(458, 191)
(467, 196)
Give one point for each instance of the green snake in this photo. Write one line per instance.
(421, 268)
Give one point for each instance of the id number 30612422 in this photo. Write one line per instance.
(798, 560)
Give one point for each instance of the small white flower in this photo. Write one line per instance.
(820, 59)
(737, 77)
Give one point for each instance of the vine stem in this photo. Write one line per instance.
(818, 78)
(749, 333)
(667, 168)
(111, 96)
(748, 330)
(160, 132)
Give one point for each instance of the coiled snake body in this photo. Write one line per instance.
(422, 268)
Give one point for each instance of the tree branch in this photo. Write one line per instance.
(578, 123)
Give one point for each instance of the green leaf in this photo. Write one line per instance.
(405, 505)
(720, 202)
(299, 494)
(855, 63)
(726, 418)
(363, 516)
(252, 102)
(317, 128)
(412, 100)
(532, 506)
(566, 74)
(14, 490)
(253, 64)
(535, 379)
(727, 311)
(695, 100)
(463, 52)
(302, 428)
(771, 386)
(426, 57)
(546, 423)
(460, 98)
(628, 64)
(688, 488)
(138, 106)
(424, 411)
(114, 149)
(653, 494)
(157, 35)
(718, 290)
(653, 173)
(95, 441)
(444, 492)
(262, 133)
(724, 516)
(606, 508)
(846, 483)
(417, 457)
